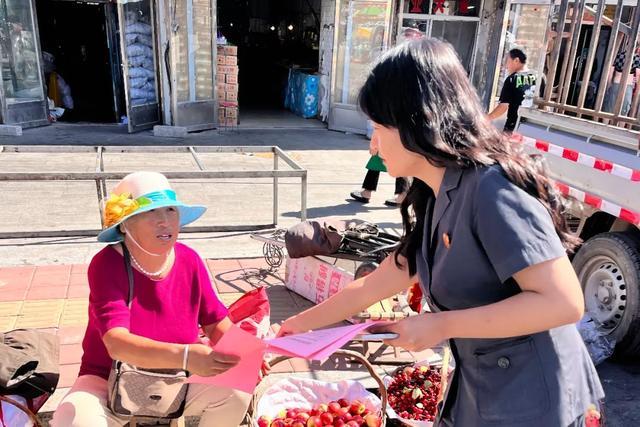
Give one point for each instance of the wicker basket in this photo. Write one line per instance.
(20, 406)
(347, 354)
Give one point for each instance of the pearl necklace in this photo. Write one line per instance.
(152, 273)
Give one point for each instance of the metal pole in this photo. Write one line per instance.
(275, 187)
(606, 68)
(100, 186)
(303, 197)
(631, 51)
(557, 45)
(591, 55)
(567, 66)
(196, 158)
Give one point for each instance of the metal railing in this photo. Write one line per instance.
(566, 59)
(100, 176)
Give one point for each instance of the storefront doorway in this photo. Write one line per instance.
(273, 38)
(80, 47)
(85, 61)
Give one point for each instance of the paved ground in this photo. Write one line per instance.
(335, 163)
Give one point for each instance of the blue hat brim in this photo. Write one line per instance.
(188, 214)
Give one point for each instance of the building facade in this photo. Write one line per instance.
(148, 62)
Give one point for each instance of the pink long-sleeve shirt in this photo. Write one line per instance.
(169, 310)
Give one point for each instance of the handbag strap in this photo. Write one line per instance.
(127, 266)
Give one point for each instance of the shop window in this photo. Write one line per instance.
(442, 7)
(454, 21)
(460, 35)
(361, 39)
(20, 64)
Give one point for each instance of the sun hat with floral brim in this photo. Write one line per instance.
(141, 192)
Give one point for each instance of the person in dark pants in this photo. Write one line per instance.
(370, 183)
(518, 90)
(485, 236)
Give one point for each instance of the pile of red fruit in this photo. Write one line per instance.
(341, 413)
(414, 392)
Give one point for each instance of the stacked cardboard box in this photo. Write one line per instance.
(227, 85)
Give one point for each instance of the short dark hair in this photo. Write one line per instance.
(518, 54)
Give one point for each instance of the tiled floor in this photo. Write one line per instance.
(55, 299)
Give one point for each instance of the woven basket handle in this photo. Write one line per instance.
(347, 354)
(23, 408)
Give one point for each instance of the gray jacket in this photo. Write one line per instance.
(484, 229)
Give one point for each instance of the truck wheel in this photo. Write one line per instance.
(608, 266)
(365, 269)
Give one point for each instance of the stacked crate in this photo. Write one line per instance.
(227, 85)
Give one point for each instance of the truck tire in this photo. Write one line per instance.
(608, 266)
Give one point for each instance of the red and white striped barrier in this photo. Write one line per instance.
(577, 157)
(599, 203)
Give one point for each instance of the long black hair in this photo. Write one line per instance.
(421, 89)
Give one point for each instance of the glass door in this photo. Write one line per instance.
(454, 21)
(22, 92)
(189, 37)
(138, 47)
(525, 29)
(361, 35)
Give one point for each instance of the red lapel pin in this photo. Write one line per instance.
(446, 240)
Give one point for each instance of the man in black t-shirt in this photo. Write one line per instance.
(518, 89)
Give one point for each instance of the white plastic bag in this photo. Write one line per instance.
(600, 347)
(305, 393)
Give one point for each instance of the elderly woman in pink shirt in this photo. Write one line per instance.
(172, 297)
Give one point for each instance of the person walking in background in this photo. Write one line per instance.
(615, 80)
(518, 89)
(370, 183)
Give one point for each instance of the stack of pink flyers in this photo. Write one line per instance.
(314, 345)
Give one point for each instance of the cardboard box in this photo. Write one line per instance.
(230, 88)
(221, 95)
(231, 112)
(220, 78)
(227, 69)
(314, 279)
(230, 60)
(231, 96)
(222, 60)
(230, 122)
(221, 114)
(227, 50)
(231, 79)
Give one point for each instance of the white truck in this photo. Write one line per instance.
(597, 169)
(587, 129)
